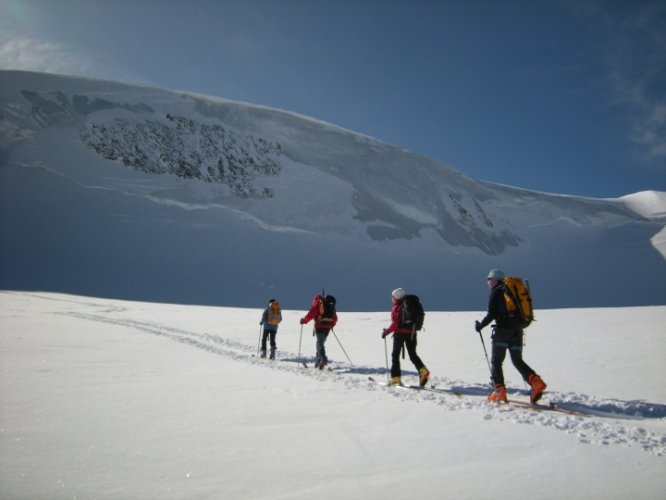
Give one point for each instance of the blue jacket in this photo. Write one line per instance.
(267, 325)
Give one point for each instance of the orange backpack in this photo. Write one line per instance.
(273, 313)
(518, 300)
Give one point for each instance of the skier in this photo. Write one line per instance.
(506, 335)
(323, 312)
(403, 337)
(271, 318)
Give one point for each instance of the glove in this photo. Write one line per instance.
(384, 333)
(477, 326)
(302, 321)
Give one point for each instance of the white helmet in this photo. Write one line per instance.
(495, 274)
(398, 293)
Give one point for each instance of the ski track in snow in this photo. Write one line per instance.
(606, 421)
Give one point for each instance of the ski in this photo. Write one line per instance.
(523, 405)
(540, 407)
(314, 367)
(385, 384)
(340, 369)
(438, 390)
(444, 392)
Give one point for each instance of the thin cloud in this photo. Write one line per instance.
(24, 53)
(638, 67)
(634, 52)
(21, 52)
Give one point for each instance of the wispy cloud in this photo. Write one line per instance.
(634, 52)
(24, 53)
(638, 72)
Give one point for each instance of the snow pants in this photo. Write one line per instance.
(322, 335)
(409, 342)
(268, 334)
(510, 339)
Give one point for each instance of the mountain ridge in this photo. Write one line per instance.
(344, 195)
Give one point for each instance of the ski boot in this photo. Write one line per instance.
(424, 374)
(498, 395)
(272, 354)
(263, 353)
(538, 386)
(395, 381)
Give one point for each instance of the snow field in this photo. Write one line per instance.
(115, 399)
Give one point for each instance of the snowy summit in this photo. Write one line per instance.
(149, 194)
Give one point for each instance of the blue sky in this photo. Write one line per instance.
(560, 96)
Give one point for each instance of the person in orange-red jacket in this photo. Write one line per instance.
(323, 312)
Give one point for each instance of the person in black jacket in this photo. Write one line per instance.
(507, 334)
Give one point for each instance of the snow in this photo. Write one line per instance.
(113, 399)
(650, 204)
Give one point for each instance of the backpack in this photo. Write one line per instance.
(273, 313)
(412, 315)
(326, 309)
(518, 300)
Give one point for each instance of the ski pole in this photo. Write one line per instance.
(300, 338)
(259, 344)
(487, 360)
(343, 349)
(386, 356)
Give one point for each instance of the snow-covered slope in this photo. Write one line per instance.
(139, 192)
(112, 399)
(649, 204)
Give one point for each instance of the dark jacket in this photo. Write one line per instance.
(497, 309)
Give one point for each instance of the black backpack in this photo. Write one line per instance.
(326, 308)
(412, 313)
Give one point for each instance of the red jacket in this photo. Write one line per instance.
(396, 315)
(313, 313)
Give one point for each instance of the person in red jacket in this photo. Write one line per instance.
(323, 312)
(403, 337)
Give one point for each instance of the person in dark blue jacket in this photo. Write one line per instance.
(507, 335)
(270, 319)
